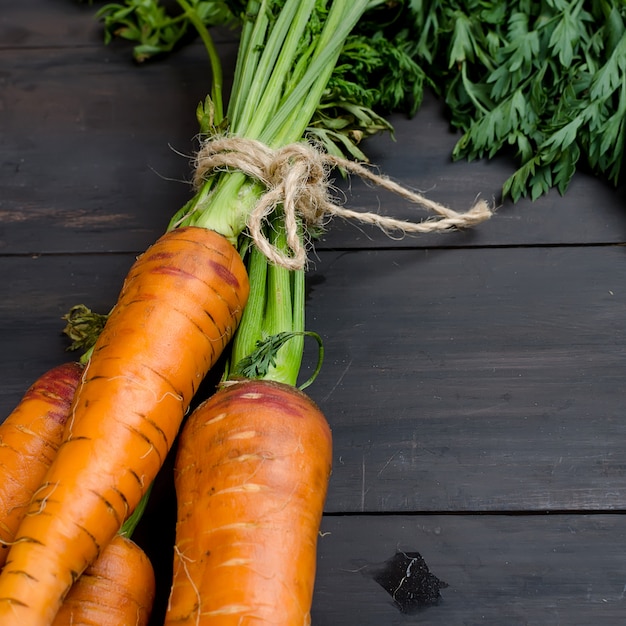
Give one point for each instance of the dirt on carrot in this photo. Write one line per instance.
(116, 590)
(177, 310)
(29, 439)
(251, 478)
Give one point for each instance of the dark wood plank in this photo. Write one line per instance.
(513, 570)
(37, 292)
(48, 23)
(44, 24)
(473, 379)
(87, 162)
(591, 212)
(500, 569)
(455, 380)
(90, 140)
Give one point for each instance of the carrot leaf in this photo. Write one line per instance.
(83, 326)
(259, 363)
(510, 74)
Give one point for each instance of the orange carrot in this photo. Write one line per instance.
(29, 439)
(116, 590)
(178, 307)
(251, 477)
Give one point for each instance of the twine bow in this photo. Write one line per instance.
(297, 178)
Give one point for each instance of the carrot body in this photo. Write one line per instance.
(251, 478)
(29, 439)
(116, 590)
(178, 307)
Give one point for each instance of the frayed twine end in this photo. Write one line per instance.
(297, 179)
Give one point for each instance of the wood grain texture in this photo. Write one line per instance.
(513, 570)
(94, 149)
(478, 379)
(87, 162)
(419, 157)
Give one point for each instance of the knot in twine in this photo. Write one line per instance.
(296, 177)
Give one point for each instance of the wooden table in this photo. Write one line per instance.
(474, 380)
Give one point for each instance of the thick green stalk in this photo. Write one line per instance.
(275, 306)
(262, 95)
(275, 95)
(282, 70)
(250, 328)
(251, 46)
(307, 90)
(283, 315)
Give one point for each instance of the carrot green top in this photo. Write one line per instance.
(287, 53)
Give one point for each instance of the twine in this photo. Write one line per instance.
(296, 177)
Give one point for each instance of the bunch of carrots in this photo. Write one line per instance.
(253, 460)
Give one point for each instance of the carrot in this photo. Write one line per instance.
(251, 477)
(29, 439)
(178, 307)
(116, 590)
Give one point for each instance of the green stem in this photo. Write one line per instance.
(306, 90)
(275, 306)
(128, 527)
(278, 85)
(217, 81)
(250, 328)
(285, 312)
(262, 97)
(251, 46)
(283, 67)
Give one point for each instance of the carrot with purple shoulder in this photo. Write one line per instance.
(251, 478)
(29, 439)
(178, 307)
(119, 587)
(176, 312)
(180, 304)
(251, 473)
